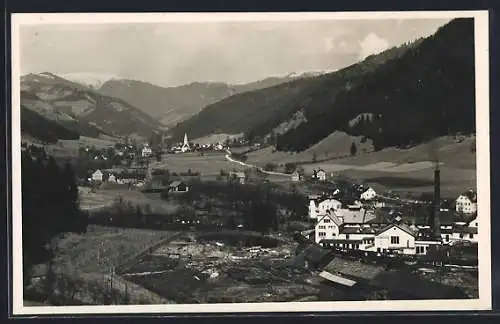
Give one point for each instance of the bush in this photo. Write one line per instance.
(270, 167)
(290, 167)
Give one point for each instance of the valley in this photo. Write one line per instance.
(282, 189)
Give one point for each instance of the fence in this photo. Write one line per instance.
(130, 261)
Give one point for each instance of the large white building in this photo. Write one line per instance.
(327, 227)
(393, 238)
(368, 194)
(466, 203)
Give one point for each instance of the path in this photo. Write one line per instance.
(228, 157)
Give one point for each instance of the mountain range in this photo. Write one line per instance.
(402, 96)
(91, 104)
(173, 105)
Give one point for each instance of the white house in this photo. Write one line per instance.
(368, 194)
(146, 151)
(178, 186)
(464, 233)
(320, 175)
(466, 203)
(296, 176)
(320, 209)
(327, 227)
(97, 176)
(397, 238)
(238, 175)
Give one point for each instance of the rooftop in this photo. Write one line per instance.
(355, 215)
(471, 194)
(354, 268)
(357, 230)
(175, 183)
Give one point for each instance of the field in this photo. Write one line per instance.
(69, 148)
(208, 165)
(396, 169)
(102, 247)
(83, 265)
(105, 197)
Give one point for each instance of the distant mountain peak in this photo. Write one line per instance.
(93, 80)
(306, 74)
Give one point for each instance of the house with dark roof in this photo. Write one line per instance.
(327, 227)
(238, 176)
(464, 233)
(354, 269)
(178, 187)
(398, 238)
(311, 256)
(319, 174)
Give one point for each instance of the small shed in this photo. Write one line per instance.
(178, 186)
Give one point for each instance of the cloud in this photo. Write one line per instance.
(372, 44)
(329, 44)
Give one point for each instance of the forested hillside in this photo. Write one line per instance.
(428, 92)
(175, 104)
(82, 109)
(44, 129)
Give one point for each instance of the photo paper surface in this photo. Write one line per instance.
(250, 162)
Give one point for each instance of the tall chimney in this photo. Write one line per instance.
(437, 202)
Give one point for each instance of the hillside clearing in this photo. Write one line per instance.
(452, 151)
(103, 198)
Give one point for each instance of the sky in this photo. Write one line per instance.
(171, 54)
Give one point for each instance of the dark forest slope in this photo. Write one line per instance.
(428, 92)
(44, 129)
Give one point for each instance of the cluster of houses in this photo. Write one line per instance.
(368, 225)
(137, 177)
(187, 146)
(134, 176)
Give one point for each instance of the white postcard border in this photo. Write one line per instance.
(482, 152)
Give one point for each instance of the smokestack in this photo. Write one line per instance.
(437, 201)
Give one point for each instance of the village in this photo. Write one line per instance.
(342, 234)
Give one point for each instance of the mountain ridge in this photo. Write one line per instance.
(82, 109)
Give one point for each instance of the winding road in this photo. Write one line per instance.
(230, 159)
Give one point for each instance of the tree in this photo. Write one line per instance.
(290, 167)
(270, 167)
(354, 149)
(48, 210)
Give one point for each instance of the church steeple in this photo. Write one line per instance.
(185, 145)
